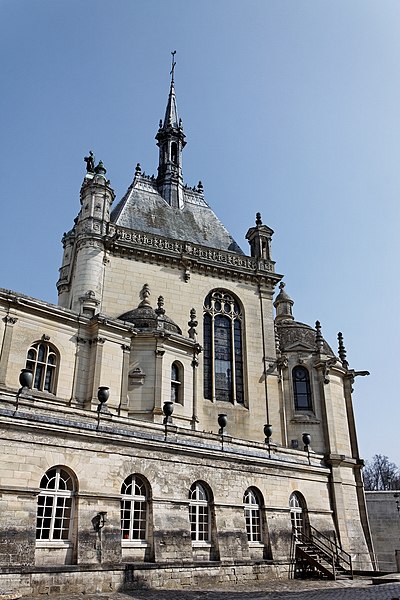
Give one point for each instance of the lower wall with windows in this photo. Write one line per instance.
(136, 505)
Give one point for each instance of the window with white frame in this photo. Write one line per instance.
(176, 382)
(134, 509)
(199, 513)
(252, 515)
(55, 506)
(223, 348)
(42, 361)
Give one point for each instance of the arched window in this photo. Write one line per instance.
(55, 506)
(176, 382)
(42, 361)
(134, 509)
(223, 355)
(199, 513)
(252, 515)
(301, 389)
(174, 152)
(298, 515)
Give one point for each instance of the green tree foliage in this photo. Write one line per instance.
(381, 474)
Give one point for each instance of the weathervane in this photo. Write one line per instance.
(173, 66)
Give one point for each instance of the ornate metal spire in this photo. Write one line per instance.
(342, 351)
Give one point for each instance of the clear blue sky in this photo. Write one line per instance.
(290, 108)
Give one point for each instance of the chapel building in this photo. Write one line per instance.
(173, 423)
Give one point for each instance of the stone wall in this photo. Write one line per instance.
(384, 521)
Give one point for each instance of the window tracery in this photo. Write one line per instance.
(223, 348)
(42, 361)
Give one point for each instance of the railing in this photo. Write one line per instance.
(330, 549)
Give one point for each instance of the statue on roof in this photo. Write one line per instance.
(89, 160)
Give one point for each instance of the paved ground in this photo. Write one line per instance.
(358, 589)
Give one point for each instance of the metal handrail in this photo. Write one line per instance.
(330, 548)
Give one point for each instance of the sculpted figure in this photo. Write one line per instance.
(89, 160)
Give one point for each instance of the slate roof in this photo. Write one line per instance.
(143, 208)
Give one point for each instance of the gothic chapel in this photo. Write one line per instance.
(170, 422)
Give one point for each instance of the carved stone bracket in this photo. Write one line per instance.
(136, 376)
(97, 340)
(126, 348)
(8, 320)
(326, 366)
(159, 353)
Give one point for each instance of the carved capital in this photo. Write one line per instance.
(97, 340)
(126, 348)
(8, 320)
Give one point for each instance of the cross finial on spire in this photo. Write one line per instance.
(173, 66)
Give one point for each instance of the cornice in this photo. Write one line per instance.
(190, 257)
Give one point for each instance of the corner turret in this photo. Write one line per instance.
(81, 274)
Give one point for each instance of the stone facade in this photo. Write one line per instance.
(384, 518)
(160, 306)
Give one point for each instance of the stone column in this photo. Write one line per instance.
(6, 346)
(123, 402)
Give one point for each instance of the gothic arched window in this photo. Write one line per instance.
(199, 513)
(55, 505)
(42, 361)
(301, 389)
(134, 509)
(223, 354)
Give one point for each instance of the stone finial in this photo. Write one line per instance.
(160, 310)
(192, 325)
(100, 169)
(144, 295)
(138, 169)
(342, 350)
(258, 219)
(283, 305)
(200, 187)
(160, 124)
(319, 340)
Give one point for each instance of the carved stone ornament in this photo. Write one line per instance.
(8, 320)
(293, 335)
(136, 376)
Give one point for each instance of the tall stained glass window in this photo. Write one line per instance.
(223, 352)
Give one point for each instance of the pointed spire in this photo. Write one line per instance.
(171, 141)
(342, 351)
(283, 304)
